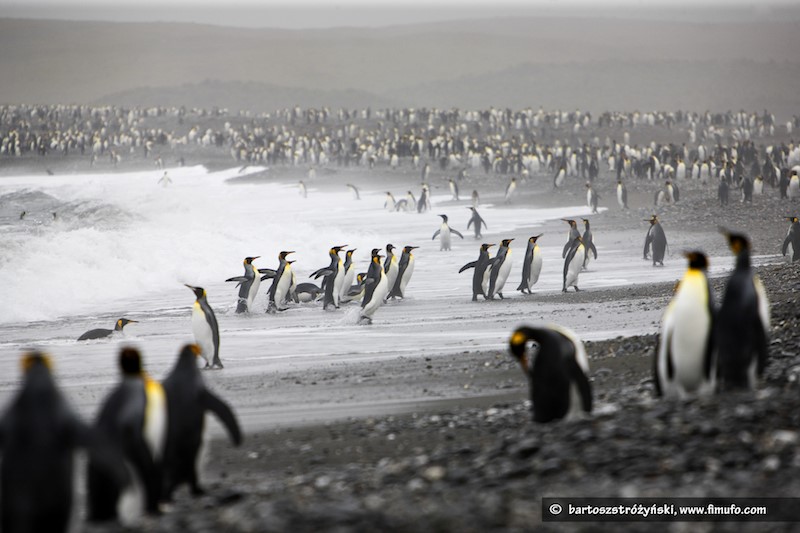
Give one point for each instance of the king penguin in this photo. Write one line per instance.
(205, 328)
(588, 242)
(404, 270)
(134, 418)
(656, 238)
(556, 369)
(622, 195)
(39, 434)
(354, 190)
(188, 400)
(480, 277)
(501, 267)
(349, 274)
(743, 323)
(390, 266)
(792, 239)
(389, 203)
(794, 185)
(478, 221)
(248, 285)
(684, 363)
(101, 333)
(573, 234)
(454, 189)
(591, 197)
(510, 188)
(444, 232)
(375, 291)
(531, 266)
(333, 278)
(281, 284)
(573, 264)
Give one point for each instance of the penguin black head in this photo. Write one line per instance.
(350, 252)
(444, 218)
(199, 292)
(33, 360)
(283, 255)
(375, 251)
(697, 260)
(585, 222)
(337, 249)
(407, 249)
(190, 351)
(588, 185)
(652, 220)
(389, 248)
(792, 219)
(534, 238)
(506, 242)
(571, 222)
(122, 322)
(130, 361)
(737, 241)
(249, 260)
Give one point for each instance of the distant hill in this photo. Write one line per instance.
(564, 62)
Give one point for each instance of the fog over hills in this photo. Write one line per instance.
(563, 62)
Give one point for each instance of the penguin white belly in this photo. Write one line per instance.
(686, 328)
(406, 276)
(485, 283)
(763, 304)
(536, 267)
(282, 289)
(444, 236)
(251, 295)
(203, 335)
(794, 187)
(589, 198)
(349, 276)
(575, 266)
(377, 297)
(338, 283)
(392, 274)
(155, 418)
(758, 188)
(502, 274)
(560, 178)
(619, 197)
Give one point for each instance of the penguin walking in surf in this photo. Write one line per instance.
(39, 434)
(657, 239)
(571, 236)
(573, 264)
(404, 270)
(557, 368)
(248, 285)
(205, 328)
(133, 417)
(307, 292)
(188, 400)
(333, 278)
(588, 242)
(622, 195)
(101, 333)
(281, 284)
(742, 323)
(531, 266)
(349, 274)
(391, 267)
(501, 267)
(684, 363)
(355, 293)
(444, 232)
(792, 240)
(480, 277)
(477, 222)
(375, 290)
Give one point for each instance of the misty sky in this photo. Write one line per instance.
(319, 14)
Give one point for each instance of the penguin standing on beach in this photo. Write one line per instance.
(333, 276)
(573, 234)
(742, 323)
(476, 199)
(510, 189)
(404, 271)
(302, 190)
(205, 328)
(476, 221)
(558, 179)
(684, 363)
(792, 240)
(390, 266)
(622, 195)
(658, 240)
(573, 264)
(794, 184)
(557, 368)
(281, 284)
(134, 418)
(444, 232)
(501, 267)
(101, 333)
(531, 266)
(591, 197)
(454, 189)
(389, 204)
(349, 274)
(424, 203)
(480, 277)
(723, 192)
(375, 290)
(188, 400)
(248, 285)
(588, 242)
(39, 433)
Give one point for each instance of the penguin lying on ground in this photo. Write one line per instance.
(556, 367)
(188, 400)
(39, 433)
(742, 323)
(101, 333)
(307, 292)
(684, 362)
(134, 418)
(205, 328)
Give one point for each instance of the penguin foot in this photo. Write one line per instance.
(576, 288)
(365, 320)
(500, 294)
(564, 289)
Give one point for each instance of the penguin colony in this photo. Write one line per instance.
(137, 438)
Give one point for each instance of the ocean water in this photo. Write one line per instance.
(120, 245)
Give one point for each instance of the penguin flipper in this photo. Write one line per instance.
(240, 279)
(593, 249)
(786, 242)
(436, 233)
(223, 412)
(566, 249)
(268, 273)
(322, 272)
(467, 266)
(470, 223)
(456, 232)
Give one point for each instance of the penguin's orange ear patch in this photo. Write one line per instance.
(518, 338)
(32, 358)
(196, 350)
